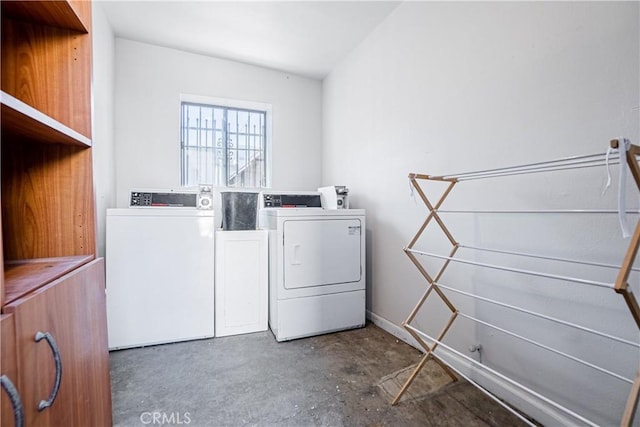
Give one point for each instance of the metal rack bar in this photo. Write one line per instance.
(546, 347)
(503, 377)
(547, 211)
(542, 316)
(534, 170)
(516, 270)
(530, 255)
(573, 162)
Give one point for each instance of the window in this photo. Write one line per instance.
(223, 145)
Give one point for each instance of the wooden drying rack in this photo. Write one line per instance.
(620, 286)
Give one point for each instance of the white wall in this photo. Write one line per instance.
(444, 87)
(149, 81)
(103, 120)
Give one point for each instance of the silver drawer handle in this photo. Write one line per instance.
(14, 397)
(44, 404)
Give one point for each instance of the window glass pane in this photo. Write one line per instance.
(218, 116)
(208, 138)
(192, 138)
(232, 121)
(243, 129)
(192, 164)
(242, 160)
(223, 146)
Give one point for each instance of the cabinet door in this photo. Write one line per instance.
(72, 310)
(241, 282)
(9, 368)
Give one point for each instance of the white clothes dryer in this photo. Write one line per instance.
(316, 265)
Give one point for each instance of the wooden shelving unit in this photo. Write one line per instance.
(52, 283)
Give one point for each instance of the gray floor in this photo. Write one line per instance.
(329, 380)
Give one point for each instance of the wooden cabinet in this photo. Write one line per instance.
(51, 281)
(64, 309)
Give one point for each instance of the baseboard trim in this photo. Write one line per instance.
(393, 329)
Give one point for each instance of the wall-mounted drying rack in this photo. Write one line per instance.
(620, 150)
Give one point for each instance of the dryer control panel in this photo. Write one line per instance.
(310, 200)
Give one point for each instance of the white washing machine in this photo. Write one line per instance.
(160, 271)
(316, 265)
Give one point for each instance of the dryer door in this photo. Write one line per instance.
(322, 252)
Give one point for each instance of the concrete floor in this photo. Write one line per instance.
(329, 380)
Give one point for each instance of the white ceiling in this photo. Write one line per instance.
(307, 38)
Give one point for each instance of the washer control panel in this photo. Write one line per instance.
(163, 199)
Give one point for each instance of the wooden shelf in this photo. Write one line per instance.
(24, 276)
(21, 119)
(59, 14)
